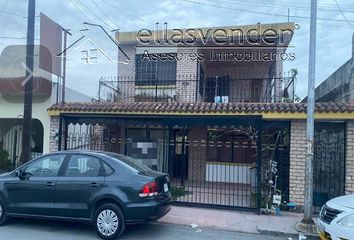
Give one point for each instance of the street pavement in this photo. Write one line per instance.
(27, 229)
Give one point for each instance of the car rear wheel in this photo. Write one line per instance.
(3, 217)
(109, 221)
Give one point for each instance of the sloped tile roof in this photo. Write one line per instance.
(125, 107)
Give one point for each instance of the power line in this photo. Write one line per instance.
(82, 11)
(104, 14)
(15, 38)
(126, 11)
(258, 12)
(85, 8)
(13, 14)
(341, 11)
(278, 5)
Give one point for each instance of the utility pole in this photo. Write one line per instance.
(28, 82)
(66, 32)
(310, 118)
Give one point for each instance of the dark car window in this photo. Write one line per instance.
(83, 166)
(45, 167)
(131, 162)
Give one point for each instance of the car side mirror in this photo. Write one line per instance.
(23, 175)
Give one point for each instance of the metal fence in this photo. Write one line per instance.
(190, 88)
(216, 167)
(329, 162)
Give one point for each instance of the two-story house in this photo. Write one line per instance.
(204, 105)
(220, 64)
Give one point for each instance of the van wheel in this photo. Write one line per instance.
(109, 221)
(3, 217)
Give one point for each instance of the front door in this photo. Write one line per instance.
(81, 180)
(34, 195)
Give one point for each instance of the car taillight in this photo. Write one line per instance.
(149, 190)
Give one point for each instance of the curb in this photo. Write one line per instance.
(294, 236)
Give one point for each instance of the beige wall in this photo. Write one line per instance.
(197, 154)
(297, 161)
(349, 161)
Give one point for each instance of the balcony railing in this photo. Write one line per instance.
(190, 89)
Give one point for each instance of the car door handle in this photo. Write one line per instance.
(95, 184)
(50, 184)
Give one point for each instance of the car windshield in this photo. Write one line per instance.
(131, 162)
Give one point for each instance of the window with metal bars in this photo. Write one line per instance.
(151, 73)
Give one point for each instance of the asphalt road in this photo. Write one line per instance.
(27, 229)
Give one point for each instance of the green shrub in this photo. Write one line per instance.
(178, 192)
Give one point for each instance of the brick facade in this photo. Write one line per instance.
(197, 154)
(54, 137)
(278, 76)
(297, 161)
(349, 158)
(186, 77)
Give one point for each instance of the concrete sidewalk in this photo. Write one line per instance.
(283, 225)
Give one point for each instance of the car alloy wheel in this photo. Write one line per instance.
(107, 222)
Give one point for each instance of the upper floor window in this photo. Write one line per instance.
(150, 72)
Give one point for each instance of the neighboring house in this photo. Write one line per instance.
(11, 115)
(339, 86)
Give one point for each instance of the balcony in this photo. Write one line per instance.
(190, 88)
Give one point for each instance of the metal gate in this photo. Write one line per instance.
(214, 167)
(329, 162)
(215, 164)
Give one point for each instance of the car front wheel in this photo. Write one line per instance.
(109, 221)
(3, 217)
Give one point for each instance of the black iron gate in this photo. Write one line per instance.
(216, 167)
(213, 161)
(329, 162)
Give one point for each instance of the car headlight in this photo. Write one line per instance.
(348, 221)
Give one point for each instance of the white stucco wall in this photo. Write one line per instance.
(39, 110)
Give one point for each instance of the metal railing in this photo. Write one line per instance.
(188, 88)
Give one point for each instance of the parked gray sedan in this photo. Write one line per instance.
(107, 189)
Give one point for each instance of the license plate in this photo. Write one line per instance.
(165, 187)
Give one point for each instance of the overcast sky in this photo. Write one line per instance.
(334, 38)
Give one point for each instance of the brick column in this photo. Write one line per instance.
(349, 158)
(278, 75)
(297, 161)
(197, 154)
(54, 127)
(186, 76)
